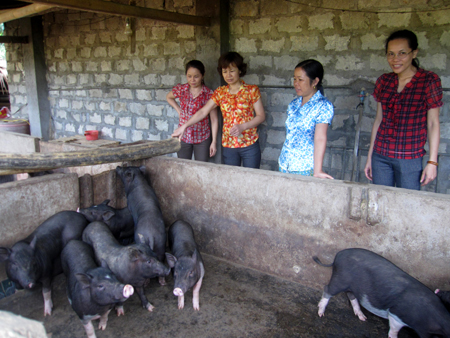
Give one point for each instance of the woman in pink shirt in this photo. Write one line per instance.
(199, 138)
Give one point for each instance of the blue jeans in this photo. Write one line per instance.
(396, 172)
(249, 156)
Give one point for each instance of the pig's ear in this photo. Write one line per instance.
(4, 254)
(142, 239)
(84, 279)
(195, 255)
(33, 243)
(171, 259)
(103, 264)
(118, 169)
(107, 215)
(143, 169)
(105, 202)
(134, 255)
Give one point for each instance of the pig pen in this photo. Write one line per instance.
(257, 231)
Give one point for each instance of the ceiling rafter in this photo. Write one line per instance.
(108, 7)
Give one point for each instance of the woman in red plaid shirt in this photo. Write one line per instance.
(200, 138)
(408, 104)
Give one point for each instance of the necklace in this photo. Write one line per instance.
(196, 92)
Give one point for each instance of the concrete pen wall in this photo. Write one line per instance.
(265, 220)
(276, 222)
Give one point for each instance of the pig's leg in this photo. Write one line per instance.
(196, 294)
(324, 301)
(119, 310)
(48, 304)
(322, 305)
(104, 320)
(47, 294)
(196, 290)
(356, 307)
(145, 303)
(89, 328)
(394, 326)
(180, 302)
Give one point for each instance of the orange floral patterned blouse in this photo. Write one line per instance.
(237, 109)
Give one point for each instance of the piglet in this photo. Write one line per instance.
(35, 259)
(186, 261)
(143, 203)
(386, 291)
(92, 291)
(132, 264)
(444, 296)
(119, 221)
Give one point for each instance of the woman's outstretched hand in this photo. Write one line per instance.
(179, 132)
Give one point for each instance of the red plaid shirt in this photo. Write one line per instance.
(403, 130)
(189, 105)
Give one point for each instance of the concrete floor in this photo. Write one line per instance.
(234, 302)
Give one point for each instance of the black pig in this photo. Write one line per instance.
(386, 291)
(186, 261)
(444, 296)
(119, 221)
(143, 203)
(132, 264)
(92, 290)
(35, 259)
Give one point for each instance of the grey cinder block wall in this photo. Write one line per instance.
(99, 79)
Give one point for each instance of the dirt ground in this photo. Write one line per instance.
(234, 302)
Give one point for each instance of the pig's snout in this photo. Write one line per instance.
(30, 285)
(178, 292)
(128, 290)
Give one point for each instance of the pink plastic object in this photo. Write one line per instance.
(4, 113)
(91, 135)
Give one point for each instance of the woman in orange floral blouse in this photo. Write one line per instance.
(242, 112)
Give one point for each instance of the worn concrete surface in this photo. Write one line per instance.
(18, 143)
(234, 302)
(275, 222)
(26, 204)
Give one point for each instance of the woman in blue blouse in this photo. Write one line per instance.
(308, 117)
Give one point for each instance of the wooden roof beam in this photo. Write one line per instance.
(17, 13)
(108, 7)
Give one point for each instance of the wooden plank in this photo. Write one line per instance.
(14, 163)
(13, 39)
(80, 140)
(107, 7)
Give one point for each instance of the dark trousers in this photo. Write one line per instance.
(200, 150)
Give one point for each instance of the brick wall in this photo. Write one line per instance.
(96, 81)
(276, 35)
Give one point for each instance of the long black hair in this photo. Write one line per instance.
(412, 42)
(313, 69)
